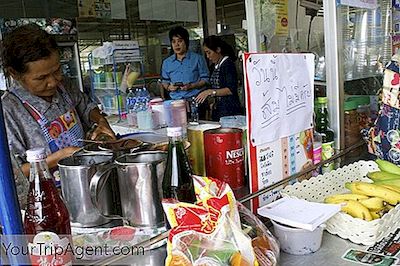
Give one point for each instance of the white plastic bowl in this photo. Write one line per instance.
(298, 241)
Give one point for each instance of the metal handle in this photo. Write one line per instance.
(97, 185)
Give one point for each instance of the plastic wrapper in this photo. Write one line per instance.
(265, 245)
(210, 233)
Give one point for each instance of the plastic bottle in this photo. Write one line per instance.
(46, 216)
(131, 100)
(177, 182)
(144, 113)
(322, 127)
(146, 98)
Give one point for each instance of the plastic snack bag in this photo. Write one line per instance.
(208, 232)
(207, 188)
(206, 236)
(265, 245)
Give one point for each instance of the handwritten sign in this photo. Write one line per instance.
(281, 88)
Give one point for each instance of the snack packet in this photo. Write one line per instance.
(208, 232)
(265, 245)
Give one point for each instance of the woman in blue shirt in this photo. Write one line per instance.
(223, 79)
(184, 73)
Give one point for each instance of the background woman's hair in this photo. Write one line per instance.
(213, 42)
(26, 44)
(180, 32)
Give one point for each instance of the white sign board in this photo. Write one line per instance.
(281, 88)
(370, 4)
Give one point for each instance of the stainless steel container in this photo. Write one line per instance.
(76, 173)
(139, 179)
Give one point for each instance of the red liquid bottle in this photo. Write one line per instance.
(46, 216)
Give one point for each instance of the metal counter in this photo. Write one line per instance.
(330, 253)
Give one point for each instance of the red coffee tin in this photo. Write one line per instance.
(224, 155)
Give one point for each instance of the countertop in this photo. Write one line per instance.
(330, 254)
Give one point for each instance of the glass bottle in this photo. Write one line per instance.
(178, 182)
(46, 216)
(322, 127)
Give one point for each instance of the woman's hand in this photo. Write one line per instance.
(53, 159)
(202, 96)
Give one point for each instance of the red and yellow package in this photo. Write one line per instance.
(208, 232)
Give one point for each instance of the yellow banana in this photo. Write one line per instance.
(373, 203)
(357, 210)
(388, 166)
(352, 187)
(338, 198)
(391, 187)
(374, 190)
(375, 215)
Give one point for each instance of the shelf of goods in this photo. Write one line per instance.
(108, 88)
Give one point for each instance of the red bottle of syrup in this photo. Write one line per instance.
(46, 221)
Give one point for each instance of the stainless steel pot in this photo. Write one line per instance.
(139, 180)
(76, 174)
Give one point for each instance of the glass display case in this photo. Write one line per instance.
(113, 68)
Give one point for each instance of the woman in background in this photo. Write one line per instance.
(224, 82)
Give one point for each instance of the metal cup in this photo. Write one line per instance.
(139, 179)
(76, 173)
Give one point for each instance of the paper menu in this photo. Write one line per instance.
(279, 159)
(281, 88)
(298, 212)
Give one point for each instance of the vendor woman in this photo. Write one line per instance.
(41, 109)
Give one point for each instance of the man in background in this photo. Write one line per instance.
(184, 73)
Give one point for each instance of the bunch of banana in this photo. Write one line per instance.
(366, 201)
(369, 201)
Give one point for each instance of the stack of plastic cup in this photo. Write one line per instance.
(175, 114)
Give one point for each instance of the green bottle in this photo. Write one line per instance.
(322, 127)
(177, 182)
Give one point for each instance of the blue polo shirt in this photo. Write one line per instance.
(191, 69)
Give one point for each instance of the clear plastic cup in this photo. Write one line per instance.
(175, 113)
(145, 120)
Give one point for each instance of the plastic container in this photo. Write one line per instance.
(157, 107)
(144, 120)
(298, 241)
(175, 114)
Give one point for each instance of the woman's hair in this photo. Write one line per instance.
(26, 44)
(214, 42)
(180, 32)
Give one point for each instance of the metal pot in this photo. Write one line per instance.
(76, 174)
(139, 178)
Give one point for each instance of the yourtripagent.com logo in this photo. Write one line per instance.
(47, 248)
